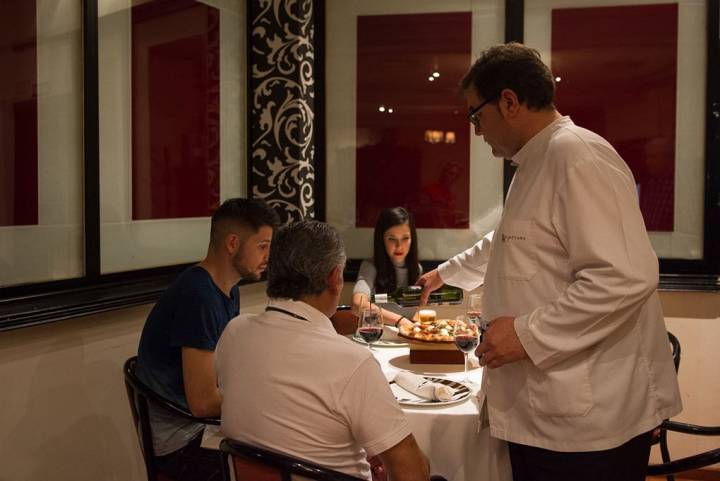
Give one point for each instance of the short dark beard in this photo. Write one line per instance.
(240, 268)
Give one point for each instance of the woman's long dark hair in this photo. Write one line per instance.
(385, 280)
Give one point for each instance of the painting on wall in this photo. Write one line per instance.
(616, 74)
(175, 110)
(412, 134)
(18, 114)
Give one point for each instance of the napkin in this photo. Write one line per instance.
(423, 388)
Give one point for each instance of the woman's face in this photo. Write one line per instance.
(397, 241)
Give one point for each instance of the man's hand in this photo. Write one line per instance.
(430, 281)
(500, 344)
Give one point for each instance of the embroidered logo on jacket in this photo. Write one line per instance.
(509, 237)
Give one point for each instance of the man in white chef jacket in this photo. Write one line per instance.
(580, 370)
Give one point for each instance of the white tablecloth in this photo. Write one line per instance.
(451, 436)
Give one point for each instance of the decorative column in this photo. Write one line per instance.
(282, 106)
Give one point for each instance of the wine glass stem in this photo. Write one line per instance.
(466, 363)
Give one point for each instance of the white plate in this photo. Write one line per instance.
(462, 392)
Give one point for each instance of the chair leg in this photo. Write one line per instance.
(227, 471)
(665, 452)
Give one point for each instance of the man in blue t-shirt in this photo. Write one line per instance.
(176, 352)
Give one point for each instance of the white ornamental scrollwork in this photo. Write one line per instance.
(282, 130)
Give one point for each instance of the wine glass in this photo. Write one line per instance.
(474, 311)
(370, 326)
(466, 332)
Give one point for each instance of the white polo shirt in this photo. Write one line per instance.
(291, 384)
(572, 262)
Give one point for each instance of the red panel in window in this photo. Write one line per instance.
(18, 114)
(175, 109)
(618, 70)
(418, 155)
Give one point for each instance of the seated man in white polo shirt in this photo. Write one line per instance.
(290, 384)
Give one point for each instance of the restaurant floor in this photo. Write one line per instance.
(697, 475)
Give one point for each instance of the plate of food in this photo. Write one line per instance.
(429, 330)
(460, 392)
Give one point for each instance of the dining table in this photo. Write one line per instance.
(453, 435)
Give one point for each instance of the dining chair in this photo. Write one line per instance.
(140, 396)
(670, 467)
(243, 462)
(344, 320)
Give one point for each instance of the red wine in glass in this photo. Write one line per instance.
(467, 337)
(370, 327)
(370, 334)
(466, 343)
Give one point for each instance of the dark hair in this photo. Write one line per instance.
(385, 280)
(250, 213)
(516, 67)
(301, 257)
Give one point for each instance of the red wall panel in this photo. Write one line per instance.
(18, 114)
(175, 105)
(618, 70)
(394, 164)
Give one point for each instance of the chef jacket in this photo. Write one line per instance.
(572, 262)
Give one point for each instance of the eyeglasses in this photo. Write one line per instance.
(472, 115)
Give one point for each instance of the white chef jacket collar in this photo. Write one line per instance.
(528, 150)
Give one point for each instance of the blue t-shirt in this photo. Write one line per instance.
(192, 312)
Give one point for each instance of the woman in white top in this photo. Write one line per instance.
(394, 264)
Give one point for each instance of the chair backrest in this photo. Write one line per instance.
(675, 346)
(344, 320)
(669, 467)
(250, 463)
(140, 395)
(141, 418)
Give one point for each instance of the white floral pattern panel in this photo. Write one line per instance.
(282, 106)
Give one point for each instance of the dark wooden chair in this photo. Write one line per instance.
(344, 320)
(140, 396)
(251, 463)
(670, 467)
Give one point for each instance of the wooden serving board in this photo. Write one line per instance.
(435, 353)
